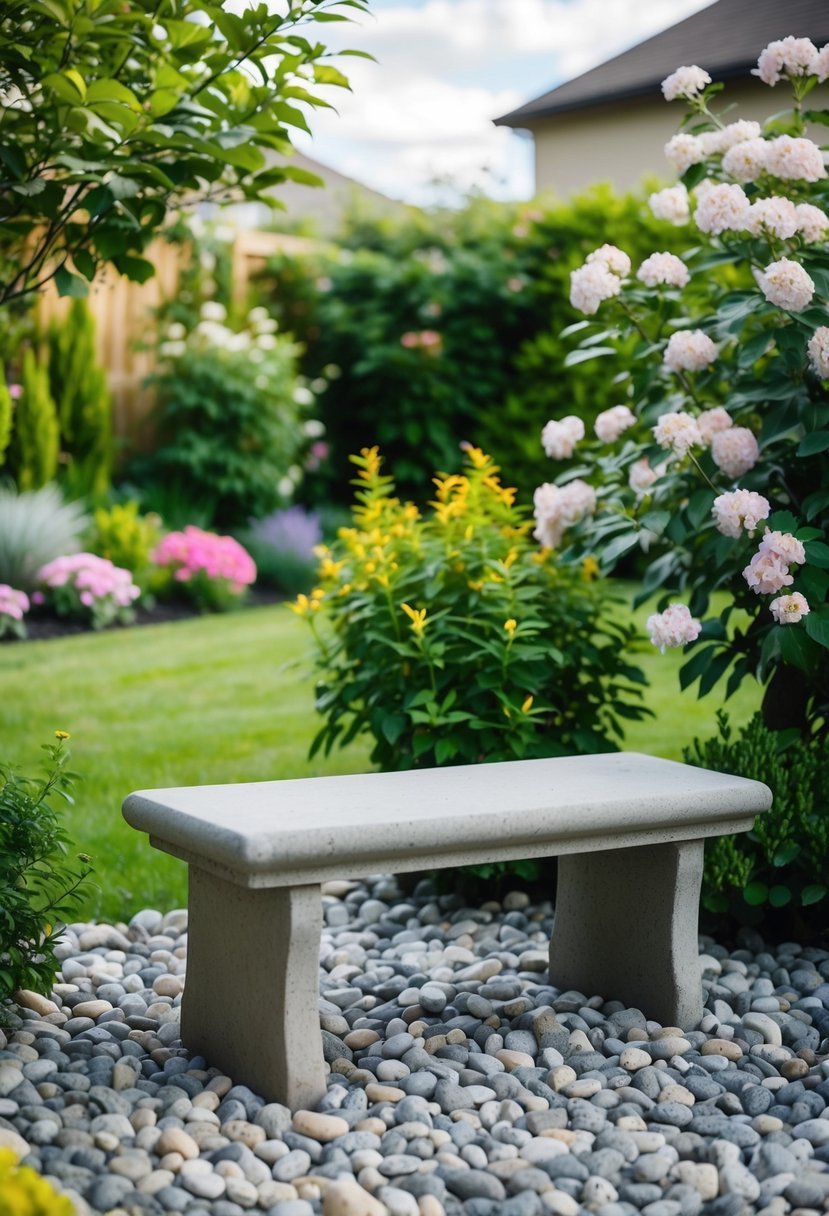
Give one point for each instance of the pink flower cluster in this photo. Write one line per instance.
(560, 436)
(428, 340)
(641, 476)
(722, 208)
(735, 450)
(673, 627)
(818, 348)
(558, 508)
(739, 510)
(13, 603)
(685, 82)
(194, 551)
(711, 422)
(689, 350)
(789, 609)
(663, 268)
(768, 570)
(600, 278)
(786, 284)
(678, 432)
(93, 578)
(670, 204)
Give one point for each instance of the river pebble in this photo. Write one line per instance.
(460, 1080)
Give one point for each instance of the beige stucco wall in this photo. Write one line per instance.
(623, 143)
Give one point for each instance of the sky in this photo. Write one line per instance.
(418, 123)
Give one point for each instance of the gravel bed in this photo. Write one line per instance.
(461, 1081)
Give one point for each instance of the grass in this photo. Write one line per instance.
(214, 700)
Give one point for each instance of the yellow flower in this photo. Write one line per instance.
(510, 626)
(329, 568)
(478, 458)
(383, 580)
(417, 616)
(321, 550)
(590, 568)
(344, 590)
(527, 705)
(62, 734)
(301, 605)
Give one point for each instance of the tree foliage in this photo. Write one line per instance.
(115, 111)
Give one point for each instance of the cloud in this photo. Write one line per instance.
(446, 68)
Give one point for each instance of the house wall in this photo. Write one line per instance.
(623, 143)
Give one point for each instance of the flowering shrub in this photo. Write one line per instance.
(717, 459)
(214, 571)
(89, 587)
(450, 639)
(24, 1193)
(39, 886)
(230, 414)
(13, 606)
(283, 546)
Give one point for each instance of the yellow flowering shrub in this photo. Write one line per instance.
(451, 637)
(25, 1193)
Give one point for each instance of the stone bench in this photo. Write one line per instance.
(629, 830)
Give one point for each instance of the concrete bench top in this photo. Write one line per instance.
(282, 833)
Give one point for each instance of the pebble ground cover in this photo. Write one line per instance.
(460, 1082)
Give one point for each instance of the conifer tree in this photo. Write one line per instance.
(33, 451)
(6, 411)
(84, 406)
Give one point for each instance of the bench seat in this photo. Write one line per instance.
(629, 830)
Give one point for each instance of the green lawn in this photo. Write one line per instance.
(212, 700)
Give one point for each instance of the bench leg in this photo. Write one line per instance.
(626, 927)
(250, 1003)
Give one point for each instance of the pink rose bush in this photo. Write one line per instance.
(13, 607)
(214, 571)
(722, 365)
(88, 587)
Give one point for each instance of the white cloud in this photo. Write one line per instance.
(446, 68)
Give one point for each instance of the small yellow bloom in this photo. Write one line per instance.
(417, 616)
(383, 580)
(469, 532)
(345, 589)
(301, 605)
(527, 705)
(510, 626)
(329, 568)
(317, 593)
(62, 734)
(590, 568)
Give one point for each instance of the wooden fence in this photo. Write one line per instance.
(126, 330)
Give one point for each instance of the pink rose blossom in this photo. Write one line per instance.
(789, 609)
(560, 437)
(735, 451)
(590, 285)
(558, 508)
(616, 260)
(663, 268)
(787, 285)
(673, 627)
(788, 57)
(818, 348)
(747, 161)
(785, 546)
(641, 476)
(683, 151)
(795, 159)
(686, 82)
(767, 573)
(677, 432)
(689, 350)
(774, 215)
(739, 511)
(811, 222)
(670, 204)
(610, 424)
(722, 208)
(822, 63)
(711, 422)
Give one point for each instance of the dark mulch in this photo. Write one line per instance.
(41, 625)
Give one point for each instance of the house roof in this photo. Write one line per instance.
(725, 38)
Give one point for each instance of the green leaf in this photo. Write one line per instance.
(817, 627)
(394, 726)
(812, 894)
(756, 893)
(817, 441)
(817, 553)
(583, 356)
(112, 90)
(618, 546)
(64, 88)
(779, 896)
(69, 284)
(445, 749)
(84, 264)
(786, 853)
(695, 666)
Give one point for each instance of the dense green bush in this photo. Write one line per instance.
(784, 860)
(32, 455)
(230, 416)
(432, 330)
(40, 887)
(450, 639)
(127, 538)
